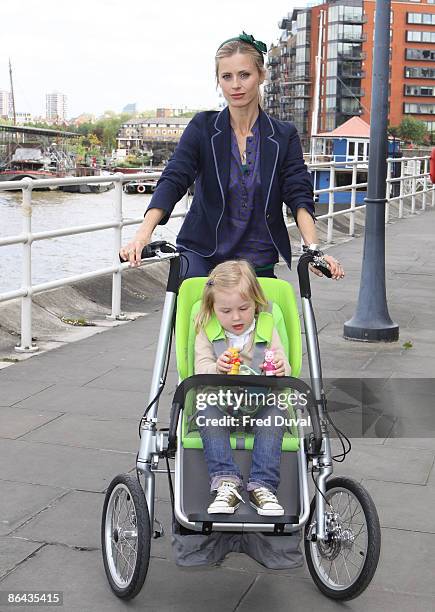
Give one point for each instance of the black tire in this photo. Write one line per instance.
(127, 581)
(372, 545)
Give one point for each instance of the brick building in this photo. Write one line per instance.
(347, 64)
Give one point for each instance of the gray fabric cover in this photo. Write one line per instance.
(273, 552)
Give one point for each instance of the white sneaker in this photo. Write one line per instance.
(226, 500)
(265, 502)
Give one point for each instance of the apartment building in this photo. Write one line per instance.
(56, 107)
(5, 104)
(346, 52)
(141, 133)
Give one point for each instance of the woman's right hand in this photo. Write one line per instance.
(223, 365)
(132, 251)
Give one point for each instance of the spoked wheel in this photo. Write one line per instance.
(343, 566)
(125, 536)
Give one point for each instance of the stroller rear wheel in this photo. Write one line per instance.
(125, 536)
(343, 566)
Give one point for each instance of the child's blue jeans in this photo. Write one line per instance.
(266, 454)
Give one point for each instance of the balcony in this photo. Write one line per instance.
(352, 55)
(350, 92)
(353, 19)
(351, 112)
(353, 37)
(352, 74)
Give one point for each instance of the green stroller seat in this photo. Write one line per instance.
(286, 320)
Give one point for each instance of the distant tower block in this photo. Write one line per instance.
(56, 107)
(130, 108)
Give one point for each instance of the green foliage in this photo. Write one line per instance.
(408, 344)
(412, 131)
(134, 161)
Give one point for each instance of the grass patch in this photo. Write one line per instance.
(77, 322)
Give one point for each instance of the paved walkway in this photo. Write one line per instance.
(68, 425)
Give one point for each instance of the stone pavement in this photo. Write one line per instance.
(68, 425)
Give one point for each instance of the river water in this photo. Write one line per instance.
(67, 256)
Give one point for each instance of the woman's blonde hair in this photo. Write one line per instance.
(234, 274)
(238, 46)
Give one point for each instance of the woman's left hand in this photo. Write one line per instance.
(334, 265)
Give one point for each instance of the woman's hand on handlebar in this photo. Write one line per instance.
(337, 271)
(132, 251)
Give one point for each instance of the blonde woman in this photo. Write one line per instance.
(245, 164)
(232, 304)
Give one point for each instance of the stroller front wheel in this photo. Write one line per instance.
(125, 536)
(343, 565)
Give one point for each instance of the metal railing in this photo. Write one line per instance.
(413, 180)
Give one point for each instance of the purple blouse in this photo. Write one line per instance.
(243, 233)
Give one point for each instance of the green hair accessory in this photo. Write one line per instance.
(250, 40)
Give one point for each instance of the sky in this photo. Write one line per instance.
(104, 54)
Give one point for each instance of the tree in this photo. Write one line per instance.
(413, 131)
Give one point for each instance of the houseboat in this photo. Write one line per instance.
(35, 153)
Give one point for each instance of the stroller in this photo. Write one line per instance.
(341, 526)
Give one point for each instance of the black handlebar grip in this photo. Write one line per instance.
(322, 265)
(150, 249)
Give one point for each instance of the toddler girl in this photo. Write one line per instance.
(231, 303)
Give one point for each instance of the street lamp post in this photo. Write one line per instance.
(371, 321)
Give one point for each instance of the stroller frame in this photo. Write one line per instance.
(320, 523)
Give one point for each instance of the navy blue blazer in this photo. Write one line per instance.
(203, 155)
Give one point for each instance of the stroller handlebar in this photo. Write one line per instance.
(316, 259)
(151, 249)
(312, 257)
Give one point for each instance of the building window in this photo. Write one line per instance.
(424, 18)
(412, 72)
(419, 109)
(419, 90)
(419, 36)
(420, 54)
(331, 103)
(357, 150)
(345, 13)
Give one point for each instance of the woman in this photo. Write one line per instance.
(245, 164)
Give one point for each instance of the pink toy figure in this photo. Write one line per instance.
(268, 367)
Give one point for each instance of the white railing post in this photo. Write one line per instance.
(423, 202)
(353, 200)
(414, 187)
(433, 196)
(26, 345)
(388, 193)
(331, 202)
(402, 178)
(117, 243)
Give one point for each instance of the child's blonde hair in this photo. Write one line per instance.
(234, 274)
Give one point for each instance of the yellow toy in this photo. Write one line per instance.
(234, 361)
